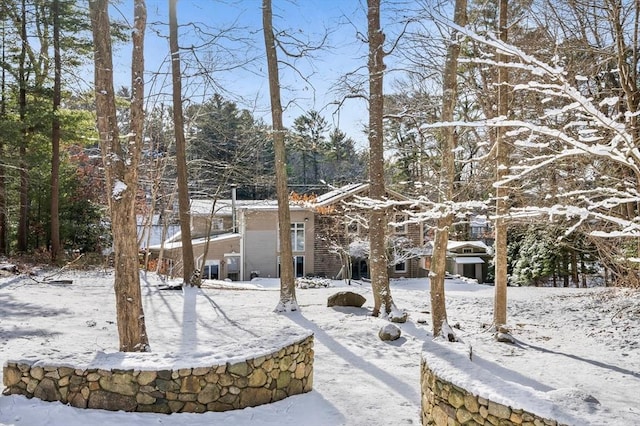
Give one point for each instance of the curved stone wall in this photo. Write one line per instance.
(215, 382)
(445, 404)
(459, 390)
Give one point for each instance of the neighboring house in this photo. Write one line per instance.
(480, 229)
(342, 226)
(466, 258)
(241, 237)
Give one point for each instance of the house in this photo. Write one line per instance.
(466, 258)
(239, 238)
(342, 226)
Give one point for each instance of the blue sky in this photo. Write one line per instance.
(247, 85)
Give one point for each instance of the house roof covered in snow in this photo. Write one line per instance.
(176, 241)
(348, 190)
(454, 245)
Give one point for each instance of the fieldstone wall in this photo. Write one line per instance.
(229, 385)
(445, 404)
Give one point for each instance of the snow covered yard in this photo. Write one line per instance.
(573, 345)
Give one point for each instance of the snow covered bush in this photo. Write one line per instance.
(312, 282)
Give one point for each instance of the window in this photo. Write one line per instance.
(352, 227)
(402, 227)
(217, 224)
(233, 266)
(297, 236)
(298, 266)
(467, 250)
(210, 272)
(400, 267)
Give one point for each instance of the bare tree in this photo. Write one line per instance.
(502, 193)
(55, 134)
(188, 262)
(120, 164)
(287, 283)
(378, 218)
(23, 220)
(4, 226)
(447, 179)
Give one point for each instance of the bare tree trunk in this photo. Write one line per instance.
(188, 263)
(121, 163)
(447, 179)
(4, 229)
(288, 300)
(575, 279)
(55, 135)
(378, 220)
(23, 219)
(502, 193)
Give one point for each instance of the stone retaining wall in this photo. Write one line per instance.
(224, 385)
(445, 404)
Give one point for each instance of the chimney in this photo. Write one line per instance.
(234, 219)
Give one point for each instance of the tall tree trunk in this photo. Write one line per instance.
(55, 134)
(188, 262)
(502, 193)
(575, 279)
(382, 299)
(447, 178)
(121, 164)
(288, 300)
(4, 230)
(23, 219)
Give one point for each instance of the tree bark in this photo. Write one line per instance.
(288, 300)
(4, 228)
(188, 262)
(23, 219)
(447, 177)
(502, 193)
(378, 219)
(120, 164)
(55, 135)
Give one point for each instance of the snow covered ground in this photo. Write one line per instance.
(574, 346)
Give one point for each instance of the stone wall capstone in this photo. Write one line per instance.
(236, 383)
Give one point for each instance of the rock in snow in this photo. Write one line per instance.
(346, 298)
(389, 332)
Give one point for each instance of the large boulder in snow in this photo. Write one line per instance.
(346, 298)
(389, 332)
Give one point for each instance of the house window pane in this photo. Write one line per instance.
(402, 228)
(298, 266)
(210, 272)
(401, 267)
(297, 236)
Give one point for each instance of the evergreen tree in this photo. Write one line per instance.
(227, 145)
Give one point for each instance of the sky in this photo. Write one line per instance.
(236, 64)
(576, 357)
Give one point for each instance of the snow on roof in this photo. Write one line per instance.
(168, 245)
(468, 260)
(452, 245)
(340, 193)
(345, 191)
(223, 207)
(201, 207)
